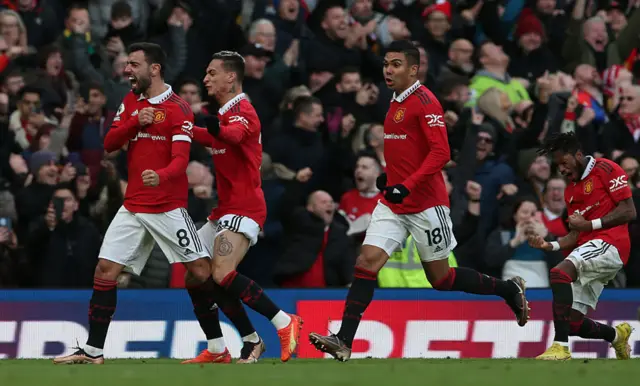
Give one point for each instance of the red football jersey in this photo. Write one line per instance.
(237, 157)
(602, 187)
(355, 204)
(416, 149)
(162, 146)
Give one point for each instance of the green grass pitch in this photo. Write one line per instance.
(365, 372)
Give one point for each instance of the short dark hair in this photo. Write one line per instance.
(347, 70)
(187, 81)
(95, 86)
(231, 62)
(153, 54)
(75, 7)
(29, 89)
(369, 154)
(407, 48)
(120, 9)
(566, 143)
(304, 104)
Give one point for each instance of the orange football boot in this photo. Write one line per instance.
(289, 337)
(207, 357)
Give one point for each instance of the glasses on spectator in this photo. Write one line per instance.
(485, 139)
(627, 98)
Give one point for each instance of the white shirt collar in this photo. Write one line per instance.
(590, 165)
(405, 94)
(236, 99)
(156, 100)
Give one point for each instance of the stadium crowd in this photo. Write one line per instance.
(508, 74)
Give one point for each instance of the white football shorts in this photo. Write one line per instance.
(131, 237)
(431, 229)
(597, 262)
(210, 231)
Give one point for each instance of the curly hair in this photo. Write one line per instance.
(566, 143)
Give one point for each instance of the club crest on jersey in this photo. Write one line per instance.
(159, 116)
(588, 186)
(399, 115)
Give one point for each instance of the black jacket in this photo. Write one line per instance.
(65, 257)
(304, 236)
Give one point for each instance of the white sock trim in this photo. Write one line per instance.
(93, 351)
(565, 344)
(281, 320)
(615, 338)
(216, 346)
(251, 338)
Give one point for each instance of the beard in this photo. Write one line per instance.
(142, 84)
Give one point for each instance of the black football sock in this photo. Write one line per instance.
(250, 293)
(473, 282)
(102, 306)
(203, 307)
(590, 329)
(234, 310)
(358, 299)
(562, 301)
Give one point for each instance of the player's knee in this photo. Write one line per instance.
(220, 268)
(107, 270)
(198, 271)
(371, 260)
(558, 275)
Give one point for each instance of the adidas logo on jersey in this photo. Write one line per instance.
(438, 249)
(188, 252)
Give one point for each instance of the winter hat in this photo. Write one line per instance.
(41, 158)
(489, 129)
(440, 6)
(526, 158)
(529, 24)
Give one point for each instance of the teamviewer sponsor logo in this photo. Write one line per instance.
(395, 136)
(149, 136)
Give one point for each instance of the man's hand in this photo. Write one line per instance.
(150, 178)
(586, 117)
(213, 125)
(18, 164)
(395, 194)
(578, 223)
(304, 175)
(197, 107)
(145, 116)
(68, 173)
(538, 242)
(507, 189)
(473, 190)
(50, 218)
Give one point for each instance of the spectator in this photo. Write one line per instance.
(29, 118)
(554, 208)
(357, 204)
(508, 251)
(493, 73)
(64, 245)
(317, 249)
(459, 60)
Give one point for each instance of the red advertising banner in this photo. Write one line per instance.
(440, 329)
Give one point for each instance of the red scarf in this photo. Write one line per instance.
(633, 124)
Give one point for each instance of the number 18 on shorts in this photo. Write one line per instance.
(431, 229)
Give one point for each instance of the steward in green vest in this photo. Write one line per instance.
(404, 268)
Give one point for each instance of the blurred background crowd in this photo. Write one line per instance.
(508, 73)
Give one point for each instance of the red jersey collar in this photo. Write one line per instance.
(590, 165)
(405, 94)
(156, 100)
(234, 101)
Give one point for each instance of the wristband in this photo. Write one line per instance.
(596, 224)
(555, 246)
